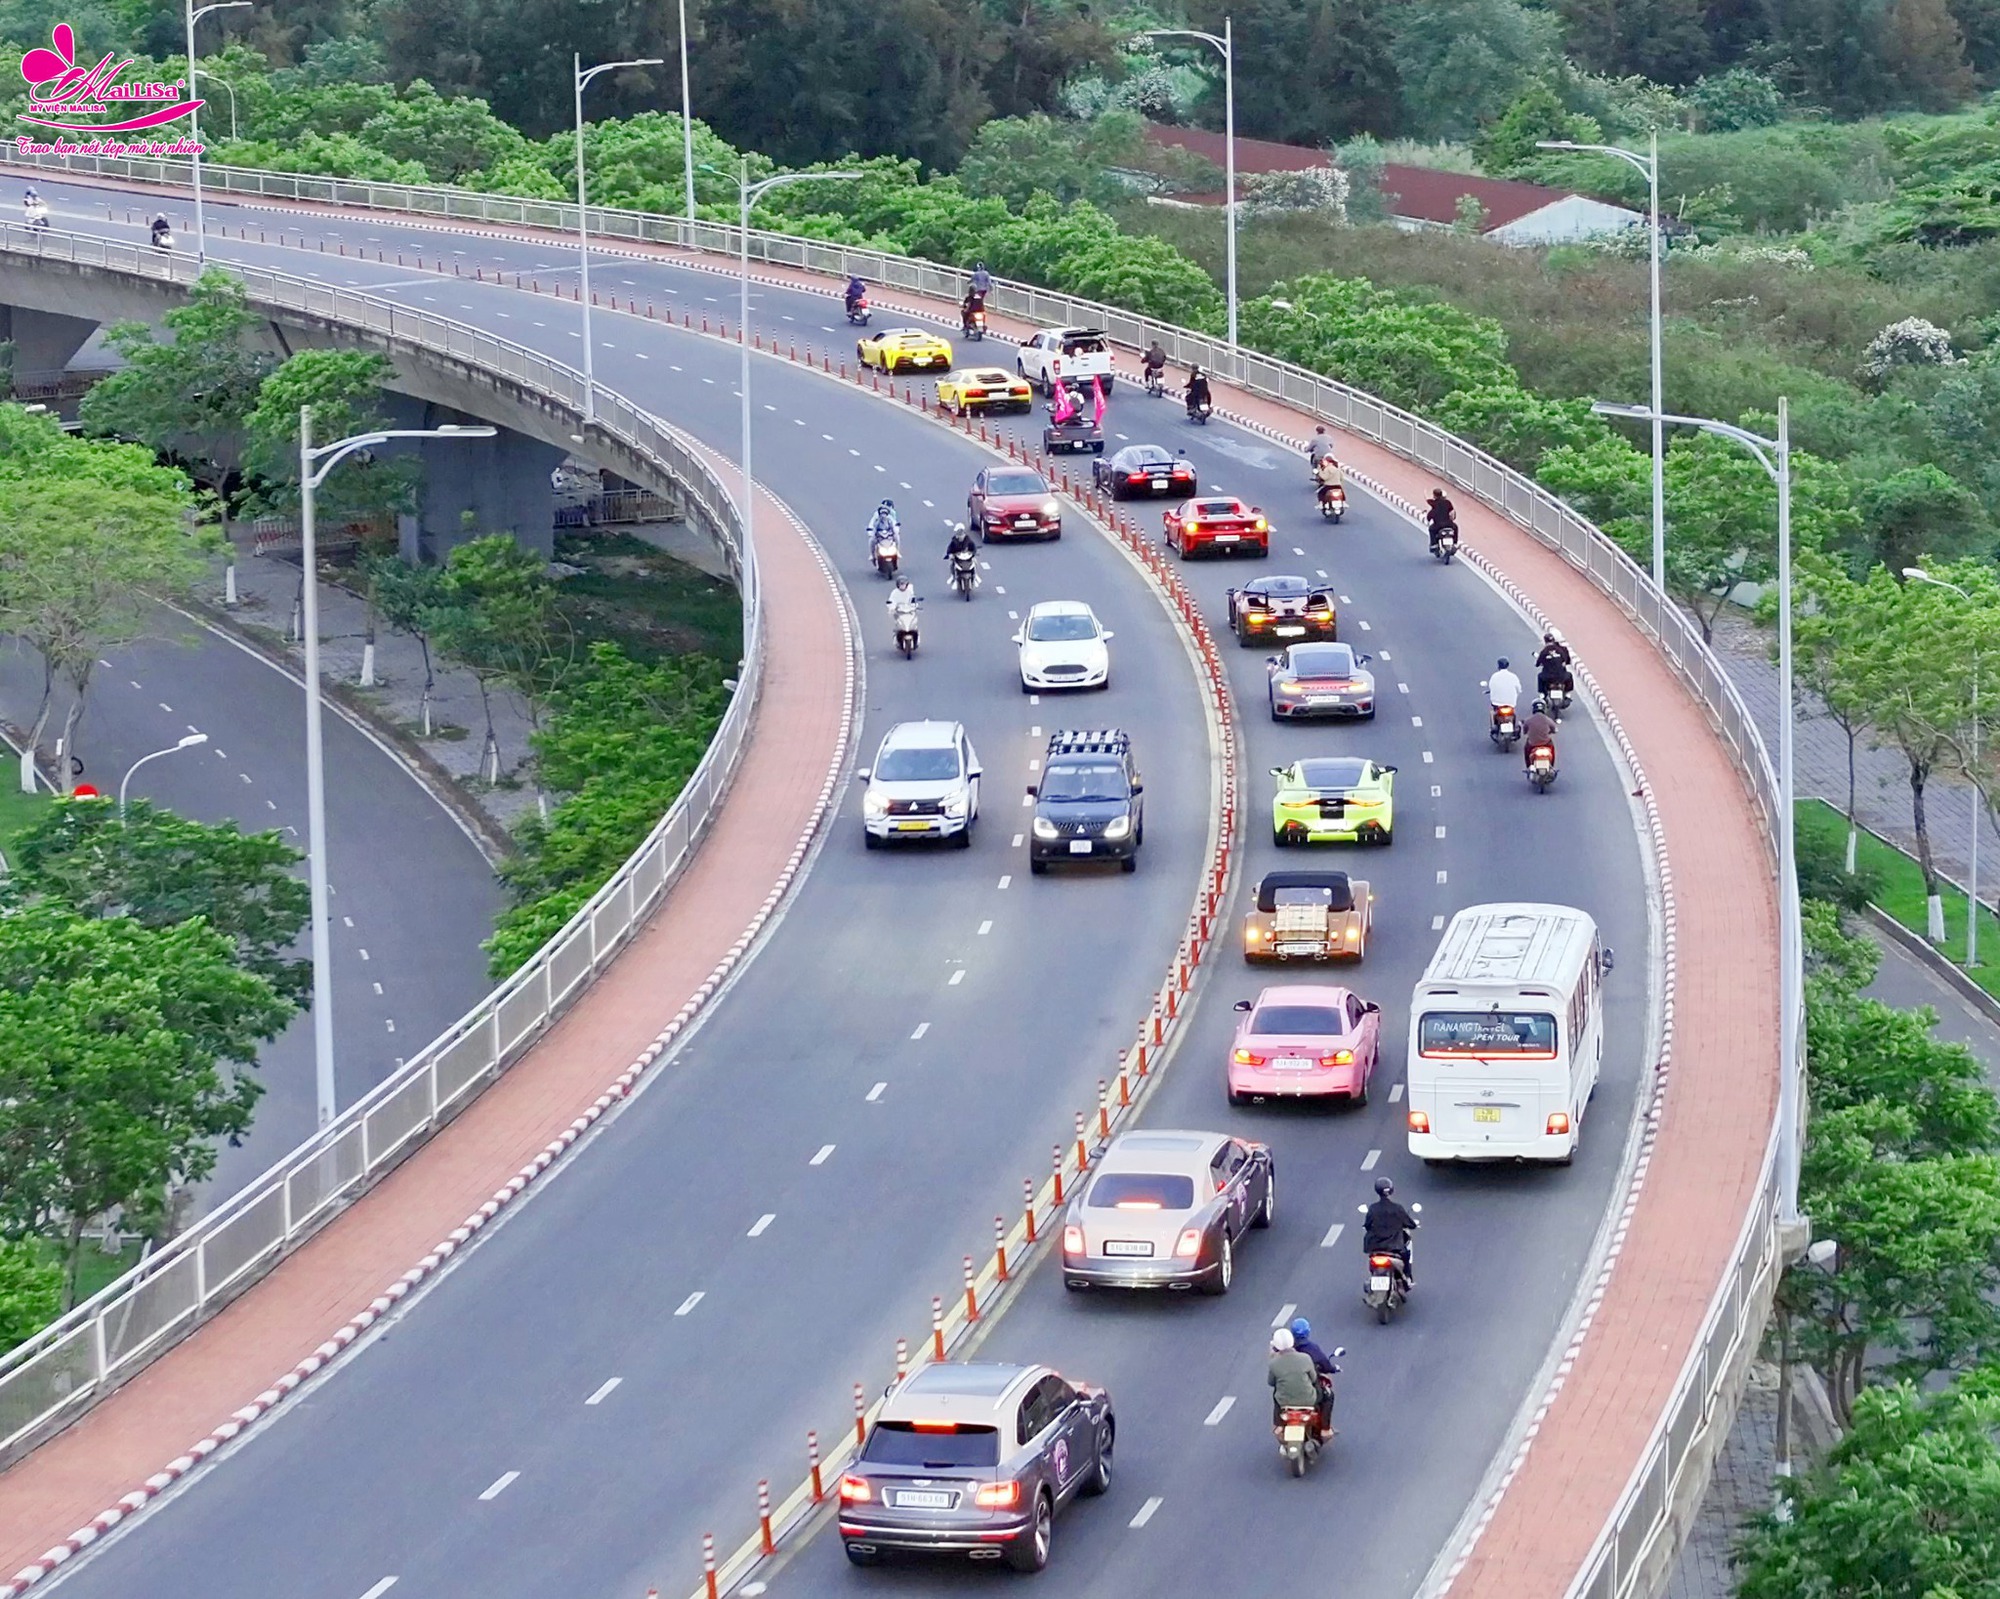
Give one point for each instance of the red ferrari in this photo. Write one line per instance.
(1220, 526)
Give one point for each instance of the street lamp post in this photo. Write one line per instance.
(1918, 575)
(218, 78)
(1226, 44)
(1775, 457)
(1649, 164)
(195, 15)
(186, 743)
(315, 462)
(687, 113)
(583, 77)
(1819, 1255)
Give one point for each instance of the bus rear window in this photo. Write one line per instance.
(1486, 1035)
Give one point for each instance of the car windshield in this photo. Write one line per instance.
(1332, 774)
(1016, 483)
(917, 765)
(1084, 780)
(1131, 1190)
(1322, 660)
(932, 1446)
(1297, 1020)
(1061, 627)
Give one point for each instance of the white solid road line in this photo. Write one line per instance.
(922, 1028)
(380, 1588)
(499, 1485)
(1146, 1512)
(1368, 1160)
(1221, 1409)
(820, 1159)
(604, 1391)
(763, 1221)
(1333, 1235)
(875, 1093)
(1285, 1314)
(690, 1302)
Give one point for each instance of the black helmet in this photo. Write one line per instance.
(1540, 707)
(1384, 1187)
(1503, 663)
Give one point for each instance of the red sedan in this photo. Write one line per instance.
(1221, 526)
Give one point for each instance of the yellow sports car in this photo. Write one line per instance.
(985, 388)
(904, 349)
(1331, 801)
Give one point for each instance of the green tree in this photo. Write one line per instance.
(1831, 658)
(1917, 512)
(449, 138)
(1665, 42)
(1537, 114)
(1325, 69)
(408, 596)
(1016, 157)
(161, 869)
(1905, 1506)
(1737, 98)
(113, 1081)
(30, 1292)
(1926, 54)
(344, 389)
(1409, 351)
(1518, 426)
(1463, 62)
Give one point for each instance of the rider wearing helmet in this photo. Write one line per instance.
(1197, 390)
(1386, 1229)
(1302, 1340)
(885, 520)
(857, 291)
(902, 604)
(1552, 664)
(1440, 513)
(1538, 732)
(961, 541)
(981, 281)
(1293, 1377)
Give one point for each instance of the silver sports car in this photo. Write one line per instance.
(1321, 680)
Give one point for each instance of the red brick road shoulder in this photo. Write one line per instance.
(793, 746)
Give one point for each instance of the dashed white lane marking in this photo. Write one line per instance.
(378, 988)
(244, 775)
(1319, 572)
(770, 408)
(820, 1159)
(271, 805)
(1345, 600)
(1285, 1314)
(922, 1028)
(875, 1093)
(1441, 874)
(390, 1022)
(500, 1485)
(1437, 791)
(1333, 1235)
(853, 452)
(932, 504)
(1034, 766)
(1437, 922)
(1395, 1093)
(828, 437)
(1034, 699)
(1015, 845)
(1027, 799)
(957, 977)
(984, 929)
(192, 728)
(1366, 628)
(380, 1588)
(708, 380)
(1440, 831)
(690, 1302)
(1013, 616)
(1385, 655)
(1428, 757)
(364, 954)
(347, 921)
(880, 468)
(166, 707)
(901, 484)
(757, 1227)
(604, 1390)
(1006, 878)
(997, 589)
(1297, 551)
(1146, 1511)
(1368, 1160)
(1222, 1408)
(1416, 721)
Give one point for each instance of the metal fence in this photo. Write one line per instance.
(1643, 1512)
(101, 1343)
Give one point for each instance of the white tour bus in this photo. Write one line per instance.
(1507, 1035)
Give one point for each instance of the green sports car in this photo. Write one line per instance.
(1334, 801)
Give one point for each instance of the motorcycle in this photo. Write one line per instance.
(964, 574)
(1445, 545)
(1298, 1431)
(37, 213)
(885, 551)
(1506, 729)
(1541, 767)
(1332, 501)
(1387, 1289)
(1558, 696)
(1199, 414)
(1156, 381)
(973, 325)
(163, 239)
(906, 631)
(857, 311)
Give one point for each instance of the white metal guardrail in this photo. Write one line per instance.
(1617, 1560)
(99, 1344)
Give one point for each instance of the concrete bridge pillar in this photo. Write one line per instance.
(505, 482)
(44, 341)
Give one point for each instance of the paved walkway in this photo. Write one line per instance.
(193, 1389)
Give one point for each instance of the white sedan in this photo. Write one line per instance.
(1063, 646)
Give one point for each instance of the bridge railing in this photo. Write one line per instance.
(102, 1342)
(1643, 1513)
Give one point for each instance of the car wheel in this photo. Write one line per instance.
(860, 354)
(1225, 1273)
(869, 840)
(1361, 1094)
(962, 839)
(1030, 1552)
(1238, 1099)
(1129, 864)
(1267, 1212)
(1276, 714)
(863, 1557)
(1386, 837)
(1027, 687)
(1280, 838)
(1037, 868)
(1099, 1480)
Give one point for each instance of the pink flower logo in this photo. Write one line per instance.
(40, 66)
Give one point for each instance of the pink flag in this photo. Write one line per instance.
(1062, 405)
(1097, 401)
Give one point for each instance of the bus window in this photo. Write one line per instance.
(1487, 1035)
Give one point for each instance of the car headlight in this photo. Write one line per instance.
(1044, 828)
(955, 808)
(1050, 508)
(1118, 828)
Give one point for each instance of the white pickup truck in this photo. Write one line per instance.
(1076, 355)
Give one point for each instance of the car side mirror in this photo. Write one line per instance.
(1033, 789)
(1339, 1350)
(1371, 1007)
(1107, 634)
(1138, 788)
(1242, 1004)
(1385, 769)
(1256, 510)
(973, 771)
(1017, 638)
(861, 772)
(1273, 660)
(1365, 657)
(1277, 771)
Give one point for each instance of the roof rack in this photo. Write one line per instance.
(1084, 741)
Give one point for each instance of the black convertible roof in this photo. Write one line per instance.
(1335, 883)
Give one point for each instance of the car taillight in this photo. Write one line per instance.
(1288, 685)
(997, 1495)
(1252, 934)
(1247, 1057)
(1559, 1122)
(1072, 1240)
(975, 394)
(1135, 477)
(1189, 1246)
(855, 1491)
(1420, 1121)
(1340, 1057)
(1354, 935)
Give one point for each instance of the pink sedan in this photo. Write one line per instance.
(1304, 1043)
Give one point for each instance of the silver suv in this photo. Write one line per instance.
(924, 784)
(975, 1459)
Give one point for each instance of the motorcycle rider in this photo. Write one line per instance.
(1552, 665)
(1503, 688)
(1155, 363)
(35, 209)
(857, 291)
(1440, 513)
(1302, 1341)
(902, 605)
(1319, 448)
(981, 281)
(1539, 729)
(961, 544)
(1386, 1229)
(1293, 1377)
(973, 305)
(1198, 397)
(162, 230)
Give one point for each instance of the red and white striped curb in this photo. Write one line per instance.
(619, 1089)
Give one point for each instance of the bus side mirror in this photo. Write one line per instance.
(1610, 958)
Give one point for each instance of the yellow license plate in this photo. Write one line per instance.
(924, 827)
(1486, 1113)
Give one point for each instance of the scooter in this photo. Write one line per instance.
(1387, 1288)
(974, 325)
(164, 239)
(1506, 729)
(857, 311)
(1332, 501)
(1557, 697)
(964, 574)
(906, 632)
(1541, 767)
(1445, 545)
(886, 553)
(1199, 414)
(1300, 1440)
(37, 213)
(1156, 381)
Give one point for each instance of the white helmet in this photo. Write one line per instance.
(1281, 1340)
(1554, 635)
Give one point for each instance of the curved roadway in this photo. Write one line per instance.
(403, 1466)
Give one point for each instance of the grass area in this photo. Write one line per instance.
(1823, 830)
(17, 810)
(647, 602)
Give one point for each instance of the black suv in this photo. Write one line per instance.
(1087, 805)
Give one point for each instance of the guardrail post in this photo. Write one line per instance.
(764, 1516)
(708, 1562)
(1056, 1161)
(1082, 1149)
(1000, 1248)
(1028, 1205)
(860, 1417)
(812, 1460)
(902, 1358)
(937, 1327)
(1103, 1111)
(971, 1300)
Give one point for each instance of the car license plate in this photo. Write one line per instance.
(1298, 949)
(1486, 1113)
(1322, 699)
(1024, 521)
(1227, 538)
(922, 1499)
(1293, 1063)
(1127, 1246)
(913, 827)
(1291, 631)
(1295, 1432)
(1079, 846)
(1161, 481)
(1378, 1285)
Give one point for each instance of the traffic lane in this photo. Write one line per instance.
(1090, 977)
(1503, 1248)
(1902, 980)
(413, 895)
